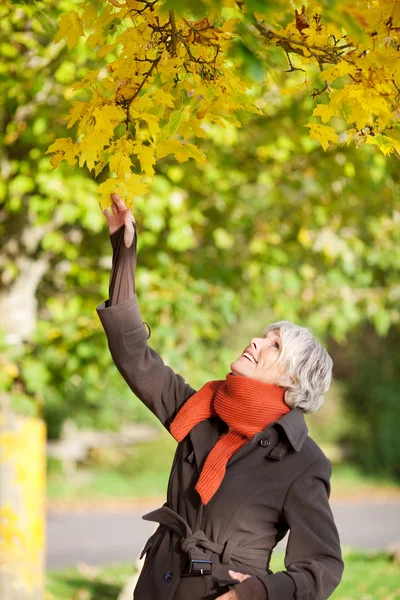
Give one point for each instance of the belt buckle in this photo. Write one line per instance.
(196, 567)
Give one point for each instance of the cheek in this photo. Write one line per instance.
(269, 359)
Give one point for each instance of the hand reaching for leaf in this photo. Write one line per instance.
(120, 215)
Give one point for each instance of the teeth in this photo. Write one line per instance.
(247, 355)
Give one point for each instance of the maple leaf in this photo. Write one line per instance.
(108, 117)
(146, 158)
(64, 149)
(70, 27)
(127, 188)
(325, 111)
(120, 163)
(323, 133)
(181, 151)
(77, 111)
(386, 144)
(335, 71)
(164, 98)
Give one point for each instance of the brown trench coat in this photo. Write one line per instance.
(277, 481)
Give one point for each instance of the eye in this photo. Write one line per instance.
(276, 345)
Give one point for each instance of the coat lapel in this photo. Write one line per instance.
(204, 436)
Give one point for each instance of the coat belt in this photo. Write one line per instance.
(198, 546)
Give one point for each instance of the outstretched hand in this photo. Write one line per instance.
(120, 215)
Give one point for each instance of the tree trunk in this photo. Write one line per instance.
(22, 507)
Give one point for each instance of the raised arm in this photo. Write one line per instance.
(154, 383)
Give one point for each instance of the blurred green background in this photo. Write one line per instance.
(271, 227)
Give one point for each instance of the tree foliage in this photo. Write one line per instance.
(166, 76)
(370, 367)
(271, 226)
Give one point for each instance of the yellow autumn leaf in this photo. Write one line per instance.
(191, 128)
(323, 133)
(135, 186)
(120, 163)
(89, 15)
(86, 81)
(108, 117)
(107, 49)
(70, 27)
(142, 104)
(386, 144)
(230, 25)
(91, 147)
(126, 89)
(127, 188)
(152, 124)
(316, 36)
(181, 151)
(120, 153)
(325, 111)
(64, 149)
(146, 158)
(163, 97)
(76, 112)
(98, 36)
(338, 70)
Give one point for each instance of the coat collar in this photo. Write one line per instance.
(205, 434)
(295, 427)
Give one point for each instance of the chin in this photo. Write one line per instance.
(236, 370)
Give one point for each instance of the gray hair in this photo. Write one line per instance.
(307, 363)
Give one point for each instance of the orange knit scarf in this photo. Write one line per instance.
(246, 405)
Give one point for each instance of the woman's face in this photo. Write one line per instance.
(258, 360)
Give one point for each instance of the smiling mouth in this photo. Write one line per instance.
(249, 357)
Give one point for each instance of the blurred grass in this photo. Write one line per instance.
(87, 583)
(143, 471)
(367, 576)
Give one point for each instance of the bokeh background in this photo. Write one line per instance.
(272, 227)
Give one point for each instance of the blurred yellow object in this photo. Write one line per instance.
(22, 507)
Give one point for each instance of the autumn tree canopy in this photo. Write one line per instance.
(166, 76)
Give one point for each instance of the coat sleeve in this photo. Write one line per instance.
(313, 559)
(155, 384)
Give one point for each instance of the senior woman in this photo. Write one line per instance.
(245, 471)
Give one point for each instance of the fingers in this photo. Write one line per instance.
(118, 202)
(118, 205)
(123, 214)
(239, 576)
(129, 234)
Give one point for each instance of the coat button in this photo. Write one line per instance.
(264, 442)
(168, 576)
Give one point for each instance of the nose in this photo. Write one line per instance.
(255, 344)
